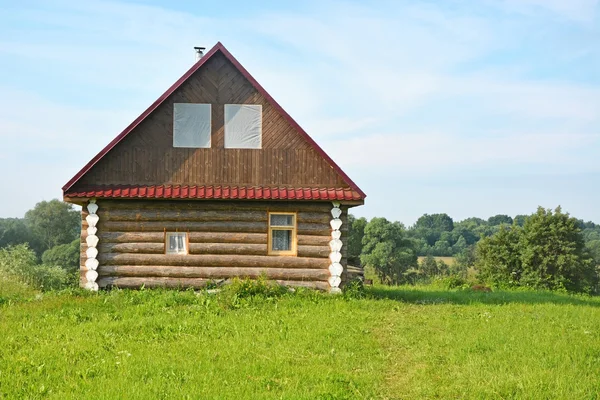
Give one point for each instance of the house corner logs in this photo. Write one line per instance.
(91, 240)
(336, 269)
(226, 239)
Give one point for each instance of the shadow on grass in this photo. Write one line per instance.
(431, 296)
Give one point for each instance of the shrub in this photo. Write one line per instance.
(20, 262)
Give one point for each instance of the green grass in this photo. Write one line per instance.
(404, 342)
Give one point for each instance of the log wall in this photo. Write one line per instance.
(226, 240)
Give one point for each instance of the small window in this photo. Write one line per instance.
(176, 243)
(191, 125)
(282, 234)
(243, 126)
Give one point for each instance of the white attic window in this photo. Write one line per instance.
(191, 125)
(243, 126)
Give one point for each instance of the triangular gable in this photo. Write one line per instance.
(217, 49)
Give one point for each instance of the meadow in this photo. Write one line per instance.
(390, 343)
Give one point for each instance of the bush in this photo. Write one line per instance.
(20, 262)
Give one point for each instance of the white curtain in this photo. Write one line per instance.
(176, 244)
(282, 240)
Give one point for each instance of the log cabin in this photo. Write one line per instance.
(213, 181)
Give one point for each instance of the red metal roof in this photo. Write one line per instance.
(218, 47)
(216, 193)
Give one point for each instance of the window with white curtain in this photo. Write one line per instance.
(282, 234)
(176, 243)
(191, 125)
(243, 126)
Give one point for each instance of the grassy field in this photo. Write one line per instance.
(398, 343)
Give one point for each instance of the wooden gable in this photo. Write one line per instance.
(143, 155)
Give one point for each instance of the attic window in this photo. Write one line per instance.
(243, 126)
(191, 125)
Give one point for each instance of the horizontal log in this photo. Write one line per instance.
(228, 248)
(314, 217)
(313, 251)
(210, 226)
(212, 260)
(160, 226)
(289, 206)
(314, 240)
(145, 248)
(199, 215)
(214, 272)
(131, 237)
(195, 248)
(228, 237)
(135, 283)
(314, 229)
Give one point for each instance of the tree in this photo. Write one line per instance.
(499, 220)
(553, 254)
(593, 247)
(498, 258)
(430, 267)
(431, 227)
(53, 222)
(65, 256)
(520, 219)
(460, 245)
(14, 231)
(388, 250)
(548, 252)
(356, 231)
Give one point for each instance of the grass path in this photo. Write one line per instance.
(402, 343)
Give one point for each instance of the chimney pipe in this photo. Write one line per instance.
(199, 52)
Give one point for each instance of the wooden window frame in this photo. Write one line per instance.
(294, 228)
(187, 243)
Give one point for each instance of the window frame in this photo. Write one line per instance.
(186, 242)
(293, 228)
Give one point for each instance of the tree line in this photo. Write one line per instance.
(548, 249)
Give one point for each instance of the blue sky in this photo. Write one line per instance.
(472, 108)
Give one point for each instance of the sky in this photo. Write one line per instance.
(470, 107)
